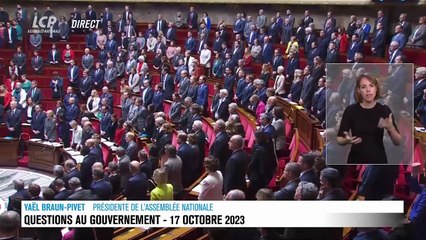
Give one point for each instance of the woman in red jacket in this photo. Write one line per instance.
(5, 98)
(68, 54)
(343, 40)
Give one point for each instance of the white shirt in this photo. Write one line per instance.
(76, 135)
(211, 187)
(205, 57)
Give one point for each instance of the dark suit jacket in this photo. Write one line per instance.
(106, 122)
(235, 171)
(332, 57)
(175, 112)
(74, 173)
(379, 41)
(335, 194)
(86, 87)
(53, 58)
(189, 164)
(86, 170)
(102, 189)
(170, 35)
(132, 150)
(192, 21)
(37, 122)
(14, 36)
(63, 195)
(310, 176)
(157, 100)
(148, 96)
(267, 53)
(167, 81)
(83, 194)
(190, 44)
(91, 14)
(220, 150)
(202, 96)
(293, 64)
(229, 85)
(277, 61)
(296, 90)
(353, 49)
(418, 91)
(136, 188)
(222, 110)
(75, 76)
(21, 193)
(246, 94)
(14, 121)
(288, 191)
(163, 25)
(71, 113)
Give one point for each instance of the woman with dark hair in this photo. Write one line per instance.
(256, 167)
(150, 121)
(364, 122)
(265, 74)
(64, 131)
(84, 112)
(60, 109)
(278, 123)
(113, 127)
(164, 136)
(29, 110)
(217, 86)
(119, 133)
(193, 141)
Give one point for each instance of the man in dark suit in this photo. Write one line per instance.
(293, 64)
(86, 167)
(319, 101)
(137, 185)
(35, 93)
(197, 129)
(61, 192)
(4, 16)
(266, 126)
(236, 166)
(309, 39)
(37, 122)
(239, 25)
(100, 187)
(399, 37)
(330, 185)
(419, 85)
(37, 62)
(98, 76)
(110, 75)
(105, 121)
(126, 12)
(73, 75)
(20, 60)
(229, 83)
(405, 24)
(86, 85)
(220, 111)
(220, 149)
(307, 19)
(10, 35)
(170, 33)
(158, 98)
(13, 120)
(274, 30)
(306, 162)
(78, 192)
(147, 93)
(90, 13)
(379, 41)
(72, 110)
(267, 50)
(278, 60)
(203, 93)
(168, 84)
(10, 222)
(187, 154)
(106, 94)
(394, 51)
(190, 43)
(70, 167)
(332, 53)
(291, 175)
(247, 92)
(21, 193)
(53, 56)
(192, 19)
(160, 24)
(354, 47)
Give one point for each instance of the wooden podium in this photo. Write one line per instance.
(9, 152)
(44, 155)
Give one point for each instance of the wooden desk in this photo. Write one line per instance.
(9, 152)
(43, 156)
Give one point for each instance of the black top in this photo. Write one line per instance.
(363, 123)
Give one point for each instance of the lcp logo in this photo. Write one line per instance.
(44, 24)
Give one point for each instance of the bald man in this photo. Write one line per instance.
(9, 224)
(236, 166)
(137, 185)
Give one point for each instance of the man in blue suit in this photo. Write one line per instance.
(167, 83)
(147, 93)
(252, 35)
(137, 185)
(73, 75)
(399, 37)
(111, 45)
(293, 64)
(190, 43)
(229, 83)
(158, 98)
(354, 47)
(86, 85)
(265, 122)
(239, 25)
(13, 120)
(187, 155)
(236, 166)
(319, 101)
(100, 187)
(70, 94)
(267, 51)
(34, 93)
(203, 94)
(105, 121)
(71, 111)
(248, 91)
(278, 60)
(37, 122)
(378, 42)
(394, 51)
(98, 76)
(90, 13)
(106, 94)
(170, 33)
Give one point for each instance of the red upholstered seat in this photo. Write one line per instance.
(106, 155)
(96, 125)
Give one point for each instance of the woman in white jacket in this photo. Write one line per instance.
(279, 82)
(134, 82)
(93, 102)
(150, 43)
(205, 57)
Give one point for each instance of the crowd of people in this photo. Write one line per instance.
(123, 62)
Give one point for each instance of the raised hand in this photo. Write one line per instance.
(386, 123)
(352, 139)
